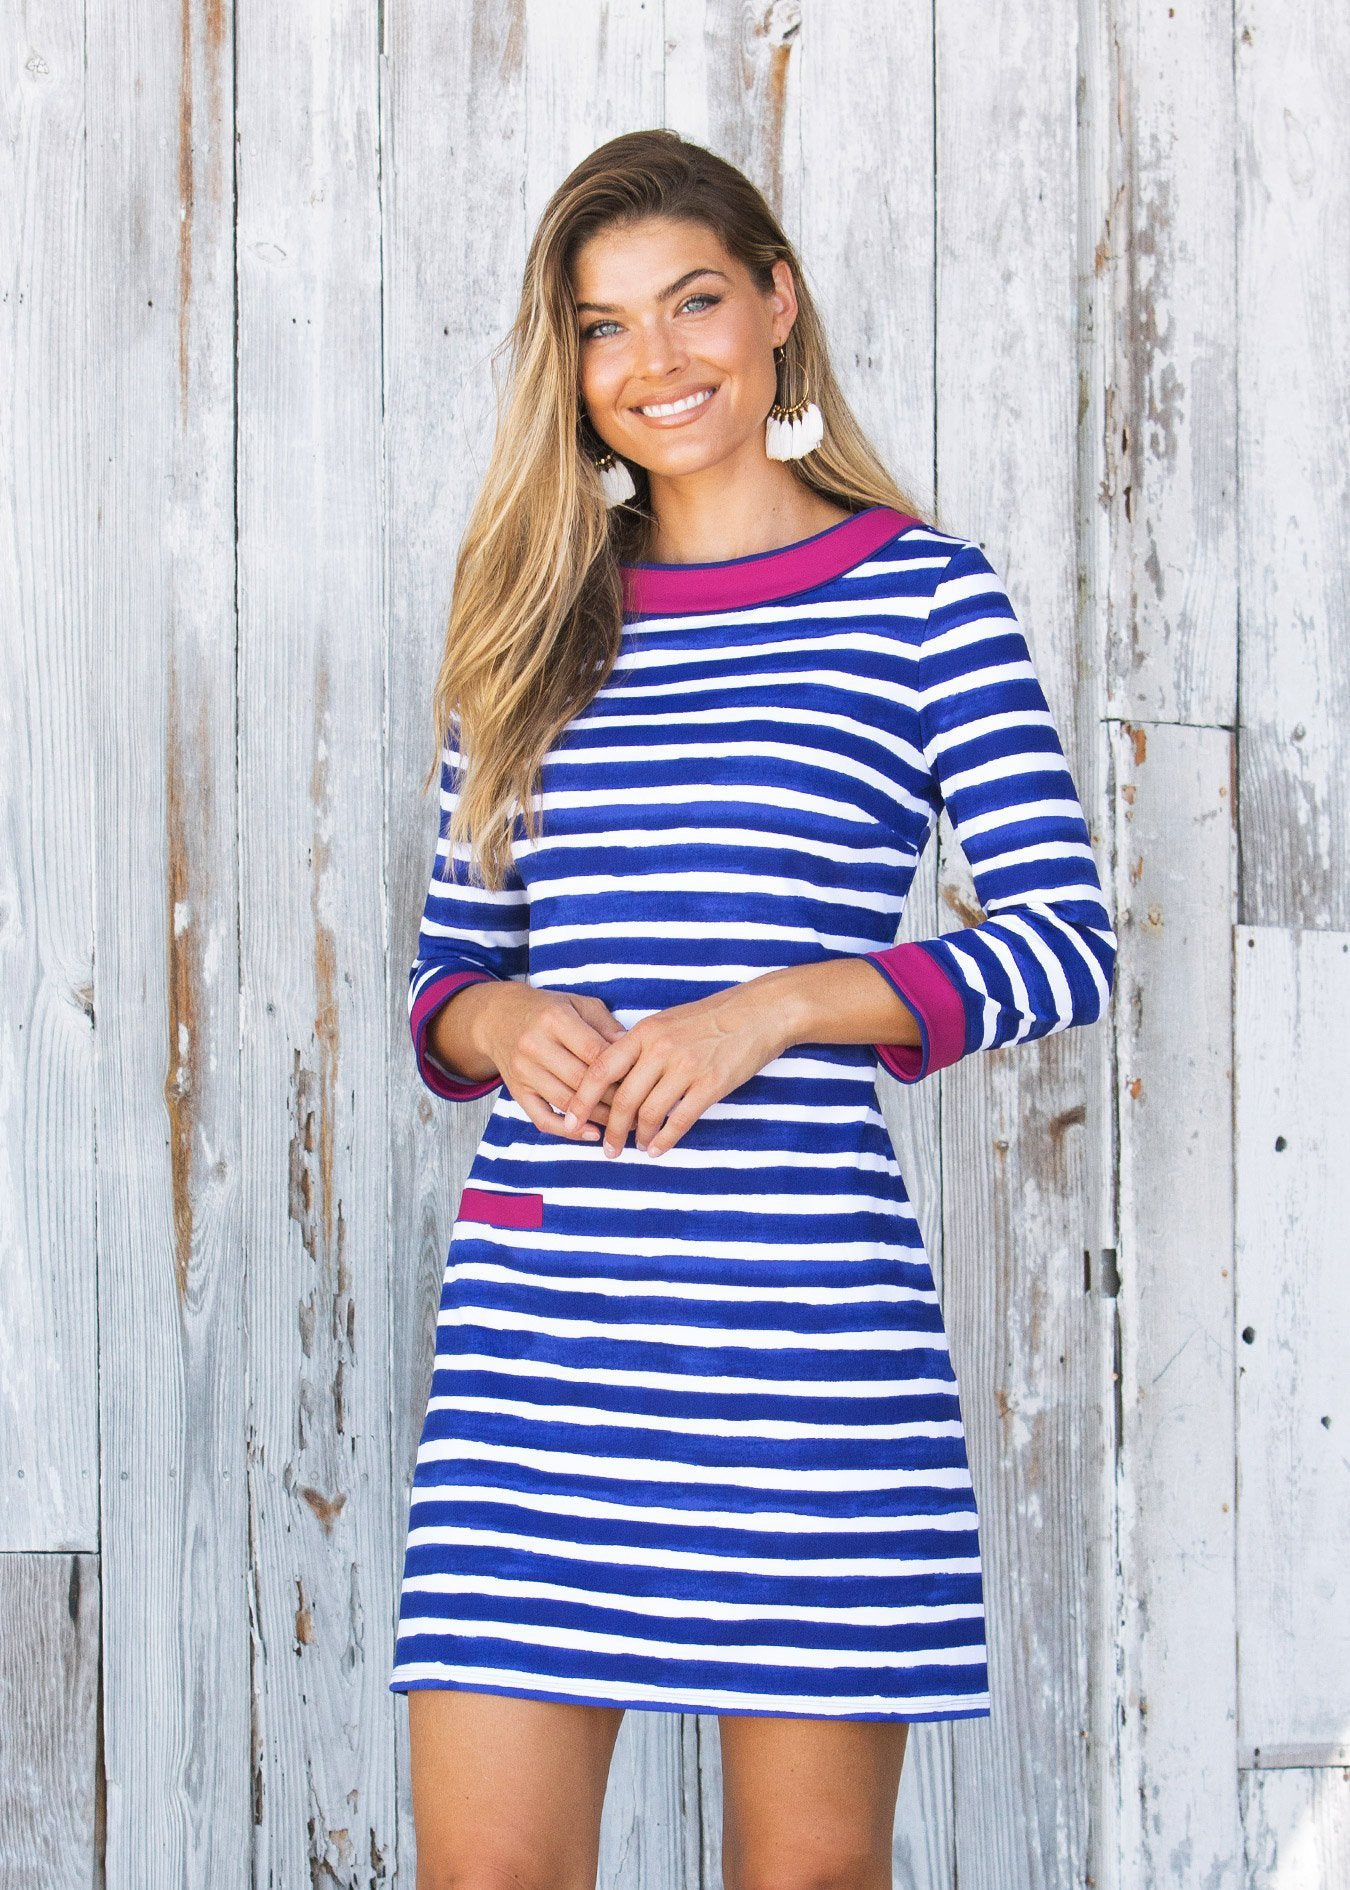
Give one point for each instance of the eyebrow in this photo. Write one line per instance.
(608, 308)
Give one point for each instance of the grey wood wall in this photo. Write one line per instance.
(1088, 275)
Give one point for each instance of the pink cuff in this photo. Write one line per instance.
(919, 980)
(432, 1072)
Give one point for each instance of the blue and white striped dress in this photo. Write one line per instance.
(694, 1439)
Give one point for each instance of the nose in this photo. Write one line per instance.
(660, 350)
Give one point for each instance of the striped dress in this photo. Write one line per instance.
(694, 1439)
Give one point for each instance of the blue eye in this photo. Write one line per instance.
(701, 295)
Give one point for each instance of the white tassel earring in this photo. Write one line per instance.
(616, 482)
(789, 432)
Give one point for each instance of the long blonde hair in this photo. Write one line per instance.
(537, 603)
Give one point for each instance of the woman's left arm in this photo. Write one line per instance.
(1042, 959)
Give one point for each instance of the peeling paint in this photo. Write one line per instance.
(183, 972)
(326, 1508)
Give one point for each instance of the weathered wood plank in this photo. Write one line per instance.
(454, 111)
(1162, 255)
(316, 1049)
(1296, 1827)
(48, 1364)
(1292, 1030)
(1023, 1127)
(171, 1354)
(1175, 1483)
(1293, 163)
(50, 1785)
(1099, 114)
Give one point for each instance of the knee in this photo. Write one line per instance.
(489, 1874)
(782, 1870)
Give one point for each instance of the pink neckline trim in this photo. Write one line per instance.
(758, 578)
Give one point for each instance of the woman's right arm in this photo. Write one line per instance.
(468, 936)
(471, 940)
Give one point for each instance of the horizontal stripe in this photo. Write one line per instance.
(702, 1608)
(690, 1469)
(724, 1428)
(588, 1518)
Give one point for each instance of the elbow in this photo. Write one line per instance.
(1092, 993)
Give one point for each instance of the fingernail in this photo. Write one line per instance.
(569, 1120)
(590, 1133)
(610, 1149)
(641, 1145)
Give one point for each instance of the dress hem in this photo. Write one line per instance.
(980, 1709)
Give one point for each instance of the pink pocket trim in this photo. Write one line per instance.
(500, 1209)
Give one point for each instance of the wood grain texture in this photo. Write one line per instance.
(48, 1339)
(50, 1782)
(1292, 1028)
(1293, 165)
(1174, 1470)
(454, 101)
(1163, 259)
(313, 959)
(167, 1099)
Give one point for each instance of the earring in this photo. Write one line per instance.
(616, 482)
(790, 432)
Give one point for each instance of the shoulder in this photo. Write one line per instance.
(922, 579)
(919, 560)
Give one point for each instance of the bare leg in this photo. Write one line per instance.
(508, 1792)
(808, 1803)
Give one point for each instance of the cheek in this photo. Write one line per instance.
(600, 392)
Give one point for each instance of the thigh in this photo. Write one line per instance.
(808, 1801)
(508, 1790)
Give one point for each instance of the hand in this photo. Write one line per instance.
(541, 1043)
(668, 1068)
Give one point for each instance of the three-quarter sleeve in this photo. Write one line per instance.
(1043, 958)
(467, 934)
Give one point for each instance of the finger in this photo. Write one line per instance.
(549, 1064)
(608, 1069)
(679, 1121)
(550, 1122)
(657, 1105)
(559, 1091)
(628, 1099)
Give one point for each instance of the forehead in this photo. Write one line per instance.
(634, 263)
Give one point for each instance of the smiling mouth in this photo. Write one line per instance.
(676, 409)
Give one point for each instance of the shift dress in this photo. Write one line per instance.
(694, 1439)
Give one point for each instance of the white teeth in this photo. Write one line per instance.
(678, 406)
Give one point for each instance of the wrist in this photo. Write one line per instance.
(788, 1007)
(456, 1033)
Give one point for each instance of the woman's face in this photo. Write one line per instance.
(664, 313)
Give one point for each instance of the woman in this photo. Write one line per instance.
(694, 1439)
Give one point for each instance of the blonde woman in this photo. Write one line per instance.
(694, 1440)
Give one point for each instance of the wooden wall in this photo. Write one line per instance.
(1086, 272)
